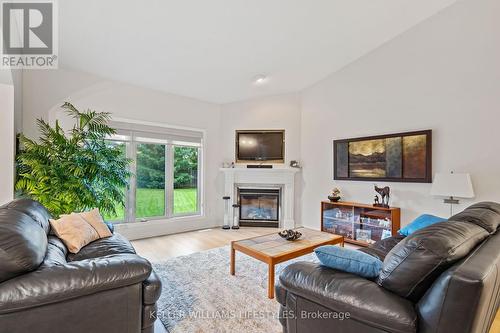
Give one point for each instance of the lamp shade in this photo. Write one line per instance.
(458, 185)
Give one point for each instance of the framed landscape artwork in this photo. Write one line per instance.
(401, 157)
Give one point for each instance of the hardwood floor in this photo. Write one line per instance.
(164, 247)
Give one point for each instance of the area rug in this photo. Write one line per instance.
(199, 294)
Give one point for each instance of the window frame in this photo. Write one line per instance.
(131, 141)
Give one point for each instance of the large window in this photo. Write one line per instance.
(166, 172)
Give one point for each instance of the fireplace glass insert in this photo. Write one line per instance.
(259, 207)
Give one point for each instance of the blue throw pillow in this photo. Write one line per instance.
(347, 260)
(419, 223)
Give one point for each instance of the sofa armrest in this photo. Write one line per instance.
(151, 289)
(364, 300)
(57, 283)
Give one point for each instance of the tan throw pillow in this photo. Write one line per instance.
(74, 231)
(95, 219)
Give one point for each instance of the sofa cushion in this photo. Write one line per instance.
(94, 218)
(349, 260)
(33, 209)
(23, 243)
(115, 244)
(485, 214)
(74, 231)
(420, 222)
(56, 253)
(412, 265)
(382, 247)
(58, 243)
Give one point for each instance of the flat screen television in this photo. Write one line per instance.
(260, 146)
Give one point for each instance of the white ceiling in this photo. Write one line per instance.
(211, 49)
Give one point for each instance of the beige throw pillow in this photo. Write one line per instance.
(74, 231)
(95, 219)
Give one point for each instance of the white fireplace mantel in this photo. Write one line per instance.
(284, 177)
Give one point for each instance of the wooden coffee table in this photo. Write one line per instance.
(272, 249)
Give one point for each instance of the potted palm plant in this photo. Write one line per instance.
(75, 170)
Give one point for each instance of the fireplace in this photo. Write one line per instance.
(259, 206)
(282, 179)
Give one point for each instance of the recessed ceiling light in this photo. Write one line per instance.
(260, 79)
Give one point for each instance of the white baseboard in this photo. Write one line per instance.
(139, 230)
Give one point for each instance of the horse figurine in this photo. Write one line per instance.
(385, 194)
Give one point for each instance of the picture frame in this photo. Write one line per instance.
(363, 235)
(386, 234)
(398, 157)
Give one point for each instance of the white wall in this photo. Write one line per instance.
(273, 112)
(45, 91)
(442, 75)
(7, 136)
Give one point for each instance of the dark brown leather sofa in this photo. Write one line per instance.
(443, 278)
(106, 287)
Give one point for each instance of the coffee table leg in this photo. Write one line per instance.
(270, 284)
(232, 260)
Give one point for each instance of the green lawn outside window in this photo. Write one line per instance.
(150, 203)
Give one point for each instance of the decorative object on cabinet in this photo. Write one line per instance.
(384, 196)
(364, 235)
(386, 234)
(360, 224)
(294, 164)
(401, 157)
(335, 196)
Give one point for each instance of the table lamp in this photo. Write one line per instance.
(452, 185)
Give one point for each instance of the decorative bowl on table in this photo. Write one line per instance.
(290, 235)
